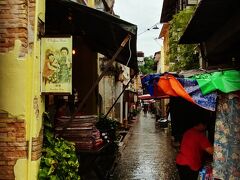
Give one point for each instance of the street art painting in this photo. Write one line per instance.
(56, 65)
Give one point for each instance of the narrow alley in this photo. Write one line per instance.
(148, 154)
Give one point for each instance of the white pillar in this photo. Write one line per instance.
(126, 110)
(121, 104)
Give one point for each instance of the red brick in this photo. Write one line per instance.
(3, 49)
(14, 2)
(3, 163)
(7, 177)
(5, 168)
(3, 144)
(2, 3)
(17, 125)
(3, 125)
(3, 134)
(7, 149)
(5, 130)
(17, 144)
(5, 44)
(36, 148)
(3, 114)
(6, 16)
(20, 139)
(8, 139)
(15, 155)
(11, 120)
(11, 163)
(9, 154)
(16, 134)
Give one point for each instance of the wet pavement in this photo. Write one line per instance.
(148, 154)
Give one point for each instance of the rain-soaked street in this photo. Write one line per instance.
(148, 154)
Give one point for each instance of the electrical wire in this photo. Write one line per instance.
(130, 52)
(148, 29)
(155, 39)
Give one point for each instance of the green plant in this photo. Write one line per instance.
(135, 112)
(59, 160)
(149, 66)
(181, 56)
(109, 125)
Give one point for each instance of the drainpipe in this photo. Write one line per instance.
(31, 116)
(121, 107)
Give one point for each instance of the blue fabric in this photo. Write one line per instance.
(148, 82)
(192, 88)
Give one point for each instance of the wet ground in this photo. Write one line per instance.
(148, 154)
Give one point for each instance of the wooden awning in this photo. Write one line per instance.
(101, 31)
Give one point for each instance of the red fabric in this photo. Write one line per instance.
(193, 144)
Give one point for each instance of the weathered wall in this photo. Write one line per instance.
(21, 103)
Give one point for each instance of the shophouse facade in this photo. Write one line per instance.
(22, 102)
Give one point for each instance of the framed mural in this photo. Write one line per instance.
(56, 65)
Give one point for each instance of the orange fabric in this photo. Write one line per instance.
(165, 86)
(171, 86)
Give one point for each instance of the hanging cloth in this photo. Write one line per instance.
(188, 89)
(172, 87)
(225, 81)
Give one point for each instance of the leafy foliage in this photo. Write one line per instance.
(59, 160)
(106, 124)
(148, 67)
(135, 112)
(181, 56)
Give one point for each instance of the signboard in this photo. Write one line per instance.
(56, 65)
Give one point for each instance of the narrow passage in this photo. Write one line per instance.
(148, 154)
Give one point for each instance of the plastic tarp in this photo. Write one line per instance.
(224, 81)
(188, 89)
(149, 82)
(200, 89)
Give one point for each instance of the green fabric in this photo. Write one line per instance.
(225, 81)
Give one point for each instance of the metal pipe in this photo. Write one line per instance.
(119, 96)
(96, 83)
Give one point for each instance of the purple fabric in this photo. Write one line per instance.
(192, 88)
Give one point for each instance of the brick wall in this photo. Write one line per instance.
(37, 146)
(13, 145)
(16, 19)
